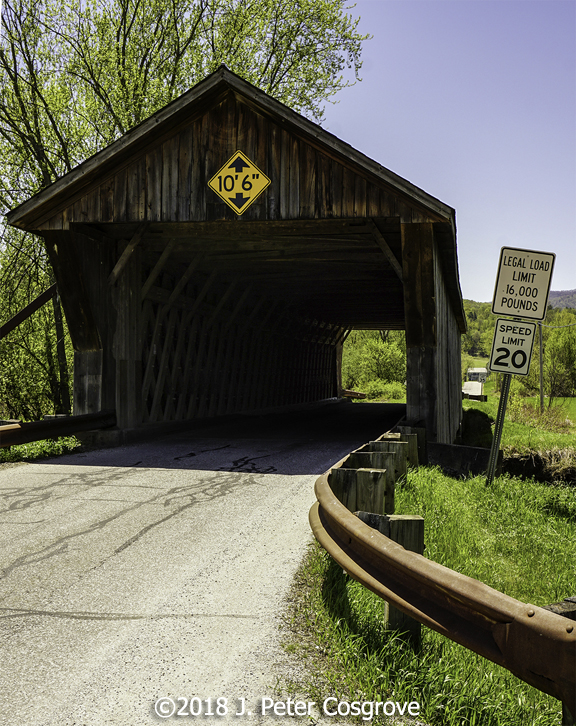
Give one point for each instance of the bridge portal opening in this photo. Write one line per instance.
(214, 259)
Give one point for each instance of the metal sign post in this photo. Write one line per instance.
(522, 289)
(493, 460)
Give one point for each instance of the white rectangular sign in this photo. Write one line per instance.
(512, 347)
(523, 283)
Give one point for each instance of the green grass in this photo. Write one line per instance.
(39, 449)
(528, 436)
(480, 362)
(517, 537)
(566, 405)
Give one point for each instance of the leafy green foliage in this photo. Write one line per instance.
(480, 328)
(375, 362)
(32, 381)
(39, 449)
(559, 357)
(76, 76)
(559, 349)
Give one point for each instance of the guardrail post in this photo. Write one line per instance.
(398, 448)
(407, 530)
(420, 438)
(412, 445)
(343, 485)
(567, 609)
(370, 490)
(375, 491)
(366, 459)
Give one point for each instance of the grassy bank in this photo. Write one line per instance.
(517, 537)
(39, 449)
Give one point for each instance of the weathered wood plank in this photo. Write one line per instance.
(170, 155)
(184, 183)
(167, 344)
(325, 189)
(407, 530)
(185, 393)
(400, 451)
(359, 196)
(63, 253)
(385, 247)
(348, 188)
(274, 155)
(294, 185)
(120, 192)
(372, 494)
(128, 346)
(420, 317)
(285, 174)
(154, 184)
(107, 201)
(308, 173)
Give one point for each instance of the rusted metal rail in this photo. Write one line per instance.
(536, 645)
(23, 433)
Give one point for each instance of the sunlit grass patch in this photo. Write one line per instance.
(39, 449)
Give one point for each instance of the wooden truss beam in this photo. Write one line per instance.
(384, 246)
(125, 256)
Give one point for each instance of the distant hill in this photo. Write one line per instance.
(562, 299)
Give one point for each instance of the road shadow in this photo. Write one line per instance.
(297, 442)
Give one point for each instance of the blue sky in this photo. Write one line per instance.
(474, 101)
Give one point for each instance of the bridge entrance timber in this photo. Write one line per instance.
(194, 288)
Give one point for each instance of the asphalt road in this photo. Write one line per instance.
(158, 569)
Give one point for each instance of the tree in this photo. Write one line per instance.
(560, 358)
(369, 356)
(33, 355)
(77, 74)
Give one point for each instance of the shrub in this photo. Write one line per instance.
(377, 389)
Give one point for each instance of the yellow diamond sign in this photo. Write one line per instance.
(239, 182)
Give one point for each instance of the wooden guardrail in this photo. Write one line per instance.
(535, 644)
(23, 433)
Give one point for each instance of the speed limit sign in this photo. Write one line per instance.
(512, 347)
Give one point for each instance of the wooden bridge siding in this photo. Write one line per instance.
(169, 182)
(449, 388)
(94, 371)
(432, 338)
(420, 317)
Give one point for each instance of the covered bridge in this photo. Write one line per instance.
(213, 259)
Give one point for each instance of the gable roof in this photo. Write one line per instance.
(30, 214)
